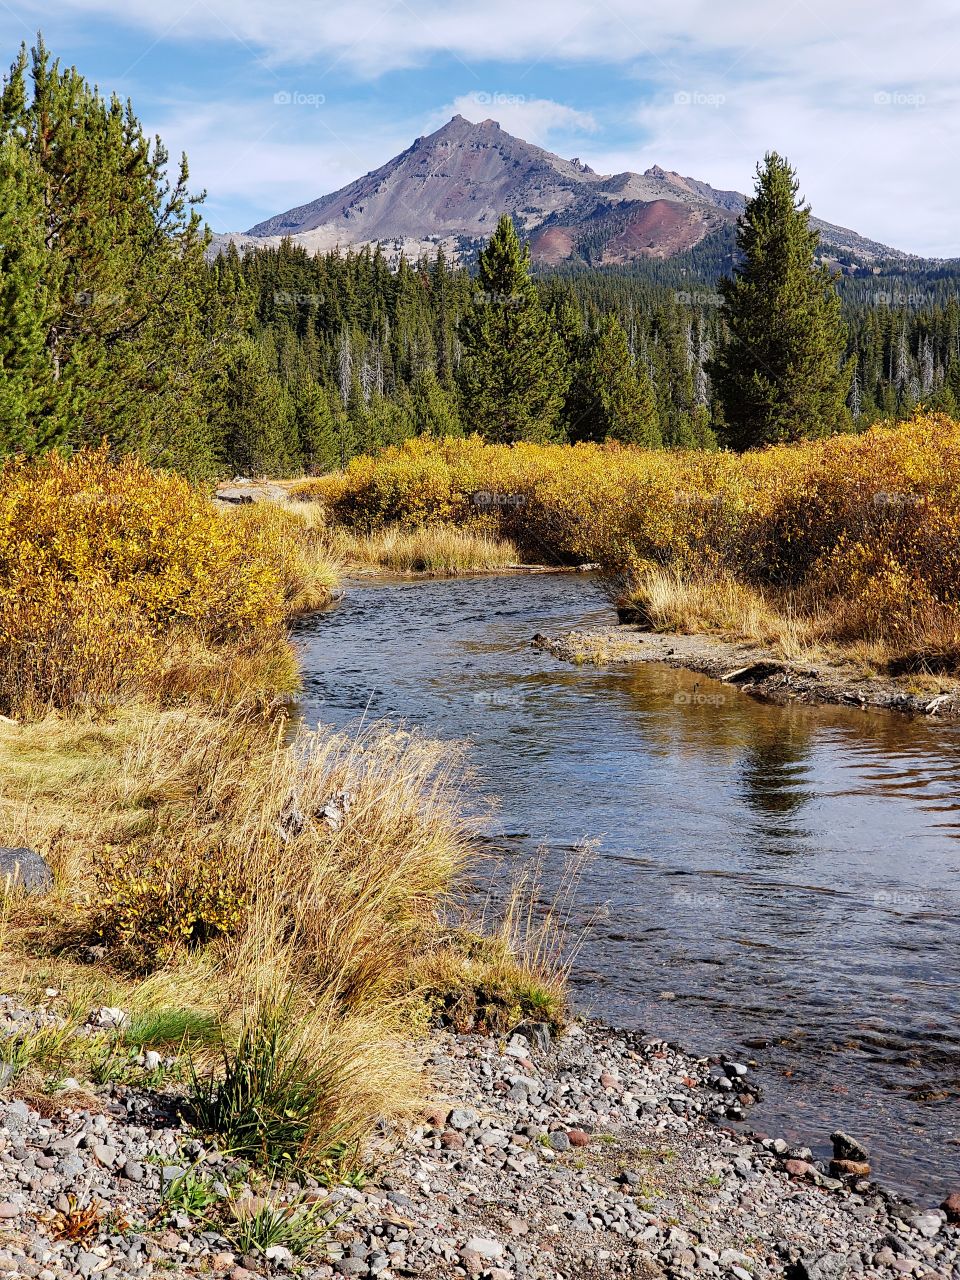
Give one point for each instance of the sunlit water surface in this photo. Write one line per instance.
(781, 884)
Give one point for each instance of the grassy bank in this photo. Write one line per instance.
(852, 541)
(277, 909)
(432, 549)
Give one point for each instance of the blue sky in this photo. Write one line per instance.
(277, 102)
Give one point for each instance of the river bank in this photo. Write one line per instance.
(594, 1154)
(762, 673)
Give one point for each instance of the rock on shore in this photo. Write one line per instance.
(24, 870)
(594, 1157)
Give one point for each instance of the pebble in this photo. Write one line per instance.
(589, 1154)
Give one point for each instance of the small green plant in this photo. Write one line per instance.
(190, 1193)
(172, 1029)
(112, 1061)
(273, 1102)
(715, 1180)
(342, 1168)
(298, 1226)
(46, 1048)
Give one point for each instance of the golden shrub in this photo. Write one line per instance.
(102, 563)
(155, 899)
(868, 525)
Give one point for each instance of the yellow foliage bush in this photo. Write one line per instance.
(868, 525)
(151, 903)
(103, 565)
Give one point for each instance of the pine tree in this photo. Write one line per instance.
(315, 428)
(258, 421)
(434, 410)
(567, 321)
(779, 373)
(24, 303)
(612, 398)
(513, 376)
(122, 274)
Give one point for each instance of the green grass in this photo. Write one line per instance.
(272, 1102)
(173, 1029)
(191, 1193)
(299, 1226)
(44, 1049)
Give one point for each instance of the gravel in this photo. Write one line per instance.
(602, 1154)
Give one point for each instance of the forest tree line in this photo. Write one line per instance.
(360, 356)
(120, 328)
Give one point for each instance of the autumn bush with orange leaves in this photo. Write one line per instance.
(117, 580)
(861, 530)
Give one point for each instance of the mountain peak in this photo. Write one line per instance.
(451, 186)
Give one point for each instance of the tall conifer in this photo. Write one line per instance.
(780, 372)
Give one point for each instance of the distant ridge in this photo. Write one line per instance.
(450, 187)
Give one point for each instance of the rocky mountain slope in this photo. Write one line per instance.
(450, 187)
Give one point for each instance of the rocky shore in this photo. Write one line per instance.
(597, 1153)
(761, 673)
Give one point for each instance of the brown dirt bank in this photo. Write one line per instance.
(760, 672)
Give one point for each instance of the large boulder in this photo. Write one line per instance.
(24, 870)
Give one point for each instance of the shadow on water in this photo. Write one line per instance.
(777, 882)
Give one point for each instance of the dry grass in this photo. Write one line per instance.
(722, 606)
(227, 868)
(512, 965)
(439, 550)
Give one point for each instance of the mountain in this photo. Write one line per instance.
(450, 187)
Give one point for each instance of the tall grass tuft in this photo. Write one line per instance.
(436, 549)
(297, 1088)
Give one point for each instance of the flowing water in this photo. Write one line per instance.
(781, 884)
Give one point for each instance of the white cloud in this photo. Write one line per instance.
(534, 119)
(271, 157)
(866, 160)
(802, 78)
(859, 39)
